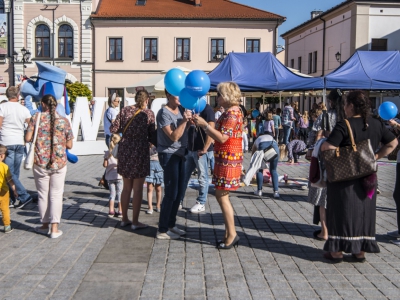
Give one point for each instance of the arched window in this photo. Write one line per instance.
(2, 10)
(65, 41)
(42, 35)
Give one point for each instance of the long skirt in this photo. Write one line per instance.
(351, 218)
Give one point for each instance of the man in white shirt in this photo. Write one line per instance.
(13, 116)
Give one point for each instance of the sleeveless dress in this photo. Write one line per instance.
(229, 155)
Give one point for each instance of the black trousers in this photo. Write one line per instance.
(396, 195)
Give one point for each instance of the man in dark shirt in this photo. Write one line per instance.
(200, 152)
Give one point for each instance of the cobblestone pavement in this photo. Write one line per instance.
(277, 257)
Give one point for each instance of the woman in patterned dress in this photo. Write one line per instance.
(228, 155)
(133, 154)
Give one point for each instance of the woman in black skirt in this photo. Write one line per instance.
(350, 213)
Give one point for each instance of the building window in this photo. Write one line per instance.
(315, 62)
(182, 49)
(309, 63)
(217, 48)
(2, 7)
(42, 38)
(115, 49)
(292, 63)
(379, 45)
(65, 41)
(213, 101)
(299, 63)
(253, 46)
(150, 49)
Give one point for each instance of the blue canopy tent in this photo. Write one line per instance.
(259, 72)
(367, 70)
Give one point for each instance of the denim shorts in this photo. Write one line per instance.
(156, 173)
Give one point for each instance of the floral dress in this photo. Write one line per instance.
(133, 149)
(229, 155)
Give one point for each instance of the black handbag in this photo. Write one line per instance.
(350, 162)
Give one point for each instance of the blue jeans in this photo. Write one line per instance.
(174, 189)
(201, 163)
(273, 165)
(286, 133)
(13, 161)
(211, 159)
(108, 137)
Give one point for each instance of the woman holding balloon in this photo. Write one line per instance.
(228, 155)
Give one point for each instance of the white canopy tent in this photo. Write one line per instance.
(154, 84)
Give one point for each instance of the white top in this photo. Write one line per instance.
(217, 115)
(263, 138)
(111, 170)
(14, 116)
(110, 113)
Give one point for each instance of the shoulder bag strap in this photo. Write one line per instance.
(353, 144)
(36, 128)
(130, 121)
(107, 116)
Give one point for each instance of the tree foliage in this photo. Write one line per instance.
(78, 89)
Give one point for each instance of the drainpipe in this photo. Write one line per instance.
(10, 37)
(275, 36)
(93, 59)
(323, 47)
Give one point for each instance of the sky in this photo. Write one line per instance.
(295, 11)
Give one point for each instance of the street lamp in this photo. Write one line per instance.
(338, 57)
(26, 56)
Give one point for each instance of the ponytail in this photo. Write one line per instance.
(51, 103)
(115, 138)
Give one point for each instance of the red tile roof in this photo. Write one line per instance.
(181, 9)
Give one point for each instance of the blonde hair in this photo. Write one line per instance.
(3, 149)
(230, 91)
(283, 151)
(140, 98)
(115, 138)
(268, 116)
(322, 106)
(295, 106)
(305, 116)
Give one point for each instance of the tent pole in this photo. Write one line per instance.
(381, 100)
(324, 96)
(280, 100)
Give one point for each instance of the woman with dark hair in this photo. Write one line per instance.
(137, 124)
(54, 136)
(350, 213)
(322, 128)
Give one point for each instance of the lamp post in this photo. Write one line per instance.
(338, 57)
(26, 56)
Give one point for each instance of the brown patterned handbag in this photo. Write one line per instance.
(350, 162)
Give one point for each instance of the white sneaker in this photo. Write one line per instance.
(197, 208)
(177, 231)
(276, 195)
(55, 235)
(169, 235)
(258, 193)
(395, 233)
(180, 206)
(149, 211)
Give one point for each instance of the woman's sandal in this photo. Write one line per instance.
(335, 260)
(315, 234)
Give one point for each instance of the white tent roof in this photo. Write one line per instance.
(155, 83)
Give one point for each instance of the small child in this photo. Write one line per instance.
(113, 178)
(5, 177)
(293, 150)
(156, 178)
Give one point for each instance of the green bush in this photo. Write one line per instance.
(78, 89)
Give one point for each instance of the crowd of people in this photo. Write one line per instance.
(171, 145)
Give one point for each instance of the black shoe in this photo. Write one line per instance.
(335, 260)
(21, 205)
(357, 259)
(235, 243)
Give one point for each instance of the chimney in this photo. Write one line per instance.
(316, 13)
(197, 2)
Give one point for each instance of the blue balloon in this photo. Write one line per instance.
(187, 100)
(72, 158)
(198, 83)
(200, 105)
(387, 110)
(255, 113)
(174, 81)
